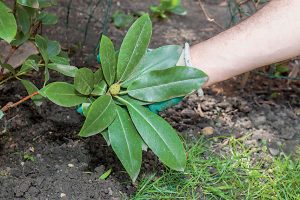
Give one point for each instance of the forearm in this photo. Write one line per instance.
(269, 36)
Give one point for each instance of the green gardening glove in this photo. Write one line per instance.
(161, 106)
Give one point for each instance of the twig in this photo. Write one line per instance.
(12, 105)
(209, 18)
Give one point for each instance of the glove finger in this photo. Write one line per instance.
(161, 106)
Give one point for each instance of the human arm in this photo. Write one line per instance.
(271, 35)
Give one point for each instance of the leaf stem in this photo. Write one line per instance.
(121, 99)
(124, 92)
(12, 105)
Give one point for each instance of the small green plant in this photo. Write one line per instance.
(122, 20)
(168, 6)
(28, 157)
(113, 97)
(20, 25)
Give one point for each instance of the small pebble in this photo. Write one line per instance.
(70, 165)
(207, 131)
(274, 152)
(62, 195)
(110, 192)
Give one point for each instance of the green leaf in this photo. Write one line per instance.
(46, 76)
(23, 19)
(61, 58)
(161, 85)
(100, 89)
(98, 77)
(47, 3)
(157, 59)
(9, 68)
(179, 10)
(53, 48)
(1, 114)
(84, 81)
(122, 20)
(31, 88)
(134, 47)
(127, 97)
(29, 3)
(63, 94)
(108, 59)
(48, 18)
(42, 45)
(101, 114)
(20, 38)
(66, 70)
(28, 65)
(106, 137)
(126, 142)
(161, 138)
(8, 24)
(85, 108)
(105, 175)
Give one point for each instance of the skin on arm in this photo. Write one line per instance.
(271, 35)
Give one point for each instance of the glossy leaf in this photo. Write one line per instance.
(8, 24)
(157, 59)
(46, 76)
(9, 68)
(31, 88)
(20, 39)
(101, 114)
(42, 45)
(28, 65)
(85, 108)
(108, 59)
(63, 94)
(100, 89)
(127, 97)
(23, 19)
(106, 137)
(47, 18)
(60, 60)
(84, 81)
(98, 77)
(134, 47)
(126, 142)
(161, 85)
(66, 70)
(29, 3)
(53, 48)
(160, 137)
(47, 3)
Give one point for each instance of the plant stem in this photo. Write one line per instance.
(12, 105)
(5, 80)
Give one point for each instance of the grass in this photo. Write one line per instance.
(234, 175)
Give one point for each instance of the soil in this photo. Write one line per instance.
(41, 156)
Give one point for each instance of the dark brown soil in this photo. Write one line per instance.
(60, 165)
